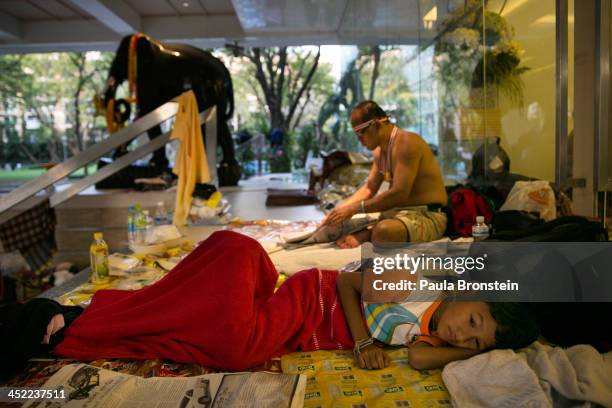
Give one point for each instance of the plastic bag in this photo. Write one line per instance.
(532, 196)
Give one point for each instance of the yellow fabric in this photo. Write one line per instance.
(191, 165)
(111, 125)
(333, 380)
(133, 67)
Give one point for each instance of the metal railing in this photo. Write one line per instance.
(142, 125)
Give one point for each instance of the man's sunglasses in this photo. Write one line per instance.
(359, 129)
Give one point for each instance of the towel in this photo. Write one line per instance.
(191, 165)
(216, 308)
(537, 376)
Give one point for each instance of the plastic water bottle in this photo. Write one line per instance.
(139, 225)
(480, 230)
(147, 225)
(98, 257)
(131, 227)
(161, 215)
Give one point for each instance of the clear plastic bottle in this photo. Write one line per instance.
(147, 225)
(131, 227)
(98, 256)
(139, 225)
(480, 230)
(161, 215)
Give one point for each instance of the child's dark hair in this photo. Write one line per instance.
(516, 325)
(370, 110)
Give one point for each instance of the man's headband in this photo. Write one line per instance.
(364, 125)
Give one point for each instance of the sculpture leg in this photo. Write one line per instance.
(229, 169)
(159, 159)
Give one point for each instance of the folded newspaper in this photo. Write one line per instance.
(79, 385)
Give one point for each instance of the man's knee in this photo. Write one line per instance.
(390, 231)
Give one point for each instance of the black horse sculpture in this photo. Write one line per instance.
(161, 72)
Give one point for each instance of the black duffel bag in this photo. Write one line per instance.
(520, 226)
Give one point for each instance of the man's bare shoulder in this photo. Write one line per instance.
(410, 137)
(409, 144)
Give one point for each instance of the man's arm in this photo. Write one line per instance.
(348, 285)
(351, 205)
(423, 356)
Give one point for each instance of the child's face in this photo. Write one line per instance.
(467, 325)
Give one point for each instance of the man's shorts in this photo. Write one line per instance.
(422, 225)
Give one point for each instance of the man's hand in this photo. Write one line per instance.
(373, 358)
(339, 214)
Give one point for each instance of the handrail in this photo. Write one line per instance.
(140, 126)
(119, 163)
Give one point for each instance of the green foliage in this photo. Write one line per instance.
(252, 102)
(256, 106)
(259, 123)
(55, 89)
(338, 107)
(305, 141)
(18, 176)
(281, 158)
(377, 67)
(393, 92)
(472, 51)
(12, 72)
(502, 70)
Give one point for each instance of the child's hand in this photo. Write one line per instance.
(373, 358)
(55, 325)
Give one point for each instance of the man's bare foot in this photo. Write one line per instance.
(348, 241)
(354, 240)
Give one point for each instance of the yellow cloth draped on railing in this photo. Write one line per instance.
(191, 165)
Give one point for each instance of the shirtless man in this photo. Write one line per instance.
(411, 209)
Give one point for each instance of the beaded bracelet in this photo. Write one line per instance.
(360, 345)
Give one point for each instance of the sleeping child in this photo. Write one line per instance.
(219, 308)
(437, 332)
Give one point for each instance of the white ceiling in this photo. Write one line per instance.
(78, 25)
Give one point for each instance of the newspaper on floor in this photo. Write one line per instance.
(83, 385)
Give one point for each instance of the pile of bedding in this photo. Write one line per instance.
(537, 376)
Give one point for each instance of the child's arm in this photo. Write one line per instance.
(349, 288)
(55, 324)
(423, 356)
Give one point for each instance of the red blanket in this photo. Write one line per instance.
(216, 308)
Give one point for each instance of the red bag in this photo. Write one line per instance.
(466, 204)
